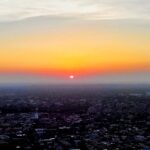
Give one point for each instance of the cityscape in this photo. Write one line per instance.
(92, 117)
(74, 74)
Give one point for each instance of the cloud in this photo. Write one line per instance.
(11, 10)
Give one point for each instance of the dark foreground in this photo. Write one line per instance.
(84, 118)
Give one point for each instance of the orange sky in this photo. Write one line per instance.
(74, 49)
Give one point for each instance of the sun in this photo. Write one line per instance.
(71, 76)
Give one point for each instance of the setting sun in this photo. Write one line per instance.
(71, 76)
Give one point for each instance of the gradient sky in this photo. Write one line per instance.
(97, 41)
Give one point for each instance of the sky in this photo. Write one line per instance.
(96, 41)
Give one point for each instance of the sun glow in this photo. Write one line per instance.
(75, 48)
(71, 76)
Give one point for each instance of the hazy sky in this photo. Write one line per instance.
(85, 9)
(96, 41)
